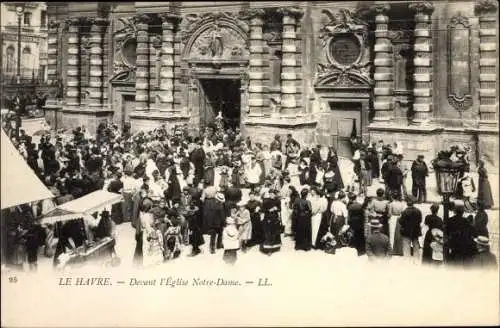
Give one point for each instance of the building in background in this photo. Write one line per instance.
(33, 41)
(423, 73)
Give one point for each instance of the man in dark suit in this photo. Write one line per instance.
(378, 245)
(460, 236)
(197, 157)
(394, 179)
(419, 172)
(410, 221)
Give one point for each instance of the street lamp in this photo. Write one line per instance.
(20, 13)
(447, 175)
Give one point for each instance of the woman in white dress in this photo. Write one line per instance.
(244, 224)
(293, 170)
(152, 240)
(318, 206)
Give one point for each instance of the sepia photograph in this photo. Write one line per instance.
(249, 163)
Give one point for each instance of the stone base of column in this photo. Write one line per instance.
(53, 113)
(75, 116)
(147, 121)
(263, 129)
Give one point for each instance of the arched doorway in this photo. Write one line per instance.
(215, 62)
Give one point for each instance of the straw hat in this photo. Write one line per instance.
(375, 223)
(482, 240)
(241, 203)
(220, 197)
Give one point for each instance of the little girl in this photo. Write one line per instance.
(230, 238)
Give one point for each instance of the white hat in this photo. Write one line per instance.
(220, 197)
(329, 174)
(241, 203)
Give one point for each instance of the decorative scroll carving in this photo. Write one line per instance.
(214, 35)
(343, 34)
(124, 38)
(486, 7)
(459, 58)
(194, 22)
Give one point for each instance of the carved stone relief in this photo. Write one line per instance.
(346, 52)
(214, 36)
(124, 45)
(459, 59)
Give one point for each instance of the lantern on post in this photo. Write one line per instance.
(448, 173)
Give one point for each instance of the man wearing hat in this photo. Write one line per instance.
(378, 245)
(419, 172)
(410, 221)
(483, 257)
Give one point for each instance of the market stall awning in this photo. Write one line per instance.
(82, 207)
(92, 202)
(20, 184)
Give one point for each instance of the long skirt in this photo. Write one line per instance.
(315, 224)
(127, 207)
(323, 228)
(272, 235)
(152, 251)
(303, 233)
(484, 193)
(257, 230)
(397, 248)
(286, 216)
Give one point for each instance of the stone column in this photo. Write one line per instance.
(96, 62)
(142, 64)
(169, 21)
(73, 68)
(488, 108)
(383, 76)
(256, 72)
(422, 78)
(52, 44)
(290, 74)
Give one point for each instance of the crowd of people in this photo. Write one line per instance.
(178, 188)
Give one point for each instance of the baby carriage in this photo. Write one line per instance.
(172, 239)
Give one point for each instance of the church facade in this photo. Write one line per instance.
(420, 73)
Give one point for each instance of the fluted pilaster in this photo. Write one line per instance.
(142, 64)
(73, 67)
(383, 63)
(96, 62)
(488, 106)
(256, 73)
(290, 71)
(422, 78)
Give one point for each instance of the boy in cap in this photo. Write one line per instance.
(378, 245)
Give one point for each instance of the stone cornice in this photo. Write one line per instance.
(423, 7)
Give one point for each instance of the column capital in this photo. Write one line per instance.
(485, 7)
(253, 13)
(75, 21)
(143, 19)
(54, 23)
(381, 8)
(294, 12)
(98, 21)
(423, 7)
(170, 17)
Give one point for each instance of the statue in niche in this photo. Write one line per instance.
(216, 45)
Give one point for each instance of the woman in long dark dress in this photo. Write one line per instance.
(432, 221)
(195, 221)
(254, 206)
(334, 160)
(294, 195)
(326, 218)
(484, 189)
(271, 224)
(173, 191)
(303, 213)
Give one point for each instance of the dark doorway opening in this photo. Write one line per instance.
(220, 95)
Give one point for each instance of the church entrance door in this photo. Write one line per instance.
(222, 96)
